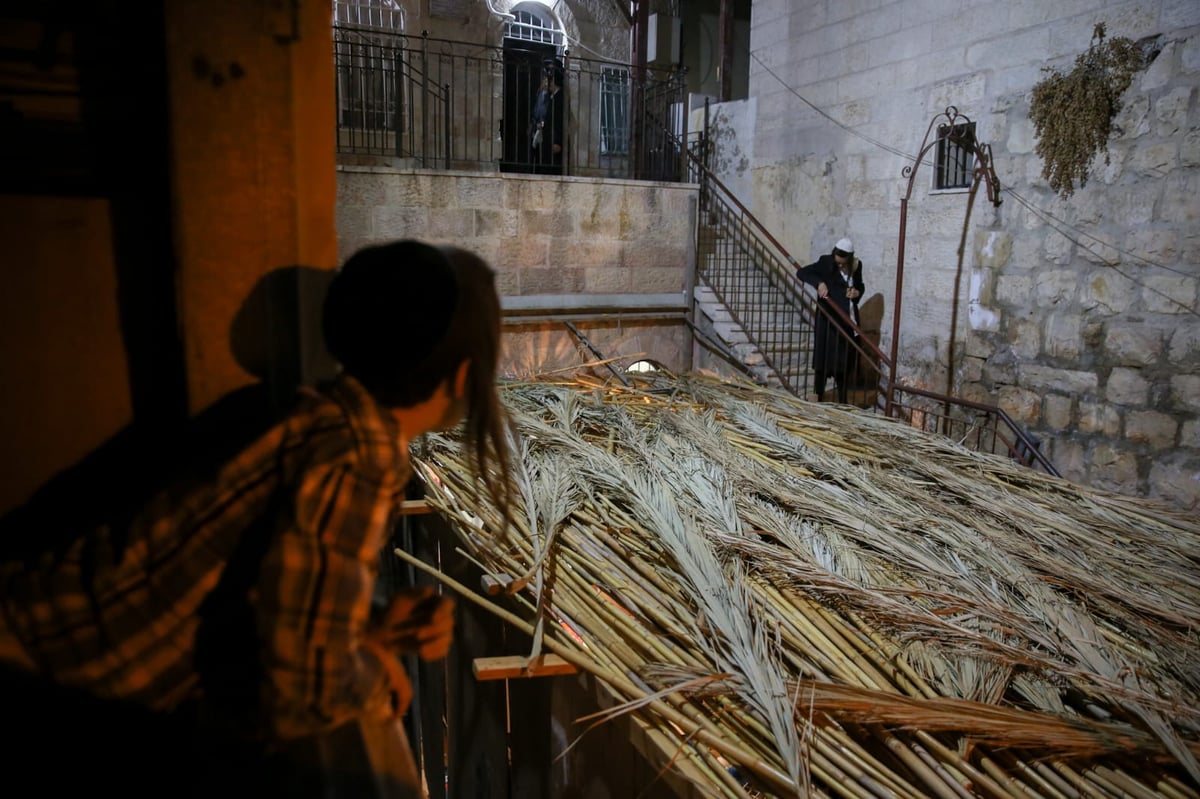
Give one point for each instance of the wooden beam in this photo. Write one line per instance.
(513, 666)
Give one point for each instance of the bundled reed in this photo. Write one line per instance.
(840, 605)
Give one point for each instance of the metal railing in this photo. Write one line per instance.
(753, 276)
(443, 104)
(453, 105)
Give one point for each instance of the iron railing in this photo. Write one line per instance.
(753, 276)
(442, 104)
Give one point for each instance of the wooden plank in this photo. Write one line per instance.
(411, 507)
(494, 585)
(514, 666)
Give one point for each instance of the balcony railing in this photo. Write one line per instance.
(442, 104)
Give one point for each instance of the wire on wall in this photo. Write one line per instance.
(1063, 228)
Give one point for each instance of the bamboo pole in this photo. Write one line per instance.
(1012, 611)
(680, 717)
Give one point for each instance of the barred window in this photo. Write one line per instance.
(614, 111)
(367, 60)
(955, 166)
(382, 15)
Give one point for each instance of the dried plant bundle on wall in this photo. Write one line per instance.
(1072, 112)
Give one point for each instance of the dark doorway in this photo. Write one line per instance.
(522, 76)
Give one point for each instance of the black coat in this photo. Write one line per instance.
(548, 119)
(831, 351)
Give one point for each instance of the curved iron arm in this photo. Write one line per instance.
(984, 170)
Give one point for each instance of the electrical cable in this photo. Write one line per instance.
(1062, 227)
(830, 117)
(1050, 220)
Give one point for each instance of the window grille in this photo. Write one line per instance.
(614, 111)
(955, 167)
(531, 26)
(367, 62)
(381, 15)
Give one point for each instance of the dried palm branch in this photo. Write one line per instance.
(884, 612)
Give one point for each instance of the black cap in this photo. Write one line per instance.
(387, 309)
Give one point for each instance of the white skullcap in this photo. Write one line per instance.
(845, 245)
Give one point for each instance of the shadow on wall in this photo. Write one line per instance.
(870, 317)
(113, 742)
(269, 339)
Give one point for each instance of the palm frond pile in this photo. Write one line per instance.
(810, 600)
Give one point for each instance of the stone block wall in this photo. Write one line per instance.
(1078, 316)
(612, 256)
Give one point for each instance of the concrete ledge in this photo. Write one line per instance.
(394, 165)
(665, 305)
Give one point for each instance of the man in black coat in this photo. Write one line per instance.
(546, 127)
(837, 278)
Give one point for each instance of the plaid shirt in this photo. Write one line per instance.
(126, 627)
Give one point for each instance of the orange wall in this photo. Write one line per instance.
(251, 142)
(62, 363)
(252, 148)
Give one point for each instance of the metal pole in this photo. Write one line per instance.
(424, 98)
(397, 95)
(446, 122)
(984, 170)
(896, 301)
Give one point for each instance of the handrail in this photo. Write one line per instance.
(1020, 446)
(1029, 449)
(731, 197)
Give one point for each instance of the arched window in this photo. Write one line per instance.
(533, 23)
(645, 365)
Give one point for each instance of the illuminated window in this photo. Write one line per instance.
(645, 366)
(381, 15)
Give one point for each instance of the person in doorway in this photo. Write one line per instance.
(837, 277)
(547, 127)
(234, 613)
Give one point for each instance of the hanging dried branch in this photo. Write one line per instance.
(1072, 112)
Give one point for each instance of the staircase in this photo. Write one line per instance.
(749, 302)
(747, 312)
(748, 299)
(715, 319)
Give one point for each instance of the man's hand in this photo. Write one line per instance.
(417, 621)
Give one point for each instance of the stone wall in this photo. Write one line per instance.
(613, 257)
(1080, 316)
